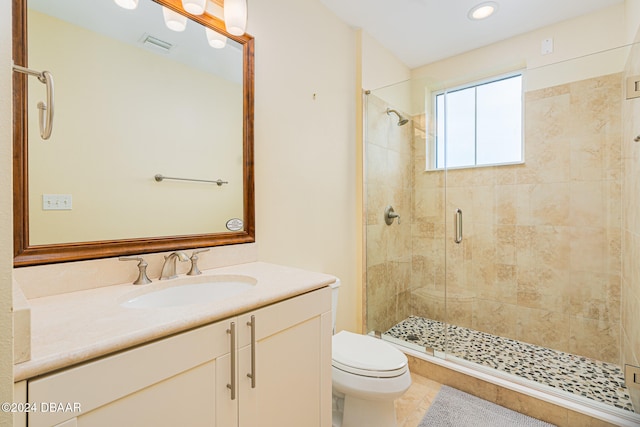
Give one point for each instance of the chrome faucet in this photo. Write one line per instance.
(169, 266)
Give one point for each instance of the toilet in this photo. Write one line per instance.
(368, 374)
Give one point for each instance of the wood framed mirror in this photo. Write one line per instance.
(105, 161)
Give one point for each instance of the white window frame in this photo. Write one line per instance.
(432, 149)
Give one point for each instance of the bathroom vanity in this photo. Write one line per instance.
(262, 357)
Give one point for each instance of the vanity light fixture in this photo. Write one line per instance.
(194, 7)
(173, 20)
(216, 40)
(235, 16)
(127, 4)
(482, 10)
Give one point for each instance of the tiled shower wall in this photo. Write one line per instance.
(540, 260)
(388, 182)
(541, 257)
(631, 227)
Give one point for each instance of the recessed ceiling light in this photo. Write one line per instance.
(482, 10)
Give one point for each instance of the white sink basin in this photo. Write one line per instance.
(186, 291)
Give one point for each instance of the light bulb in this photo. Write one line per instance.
(194, 7)
(235, 16)
(482, 10)
(216, 40)
(173, 20)
(127, 4)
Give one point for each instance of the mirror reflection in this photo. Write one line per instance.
(132, 99)
(135, 97)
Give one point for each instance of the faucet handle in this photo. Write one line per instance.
(142, 279)
(194, 262)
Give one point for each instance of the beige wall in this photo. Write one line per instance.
(632, 15)
(6, 224)
(630, 316)
(606, 30)
(379, 67)
(305, 142)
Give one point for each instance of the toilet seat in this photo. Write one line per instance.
(366, 356)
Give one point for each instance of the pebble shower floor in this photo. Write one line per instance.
(593, 379)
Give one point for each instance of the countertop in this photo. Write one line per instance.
(74, 327)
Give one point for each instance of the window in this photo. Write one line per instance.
(479, 124)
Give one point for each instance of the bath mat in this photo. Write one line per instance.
(454, 408)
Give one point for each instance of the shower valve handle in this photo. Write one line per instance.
(389, 215)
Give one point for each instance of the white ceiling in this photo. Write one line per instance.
(419, 32)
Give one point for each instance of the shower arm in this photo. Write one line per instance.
(401, 119)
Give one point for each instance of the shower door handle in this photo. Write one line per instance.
(458, 226)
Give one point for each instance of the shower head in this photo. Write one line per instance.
(401, 120)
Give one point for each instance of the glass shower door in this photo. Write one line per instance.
(405, 263)
(523, 269)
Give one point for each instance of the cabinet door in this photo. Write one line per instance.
(20, 396)
(179, 380)
(291, 360)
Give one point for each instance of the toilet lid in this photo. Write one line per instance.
(367, 356)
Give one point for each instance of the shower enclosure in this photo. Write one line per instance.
(526, 268)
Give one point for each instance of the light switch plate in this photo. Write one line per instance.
(546, 47)
(57, 202)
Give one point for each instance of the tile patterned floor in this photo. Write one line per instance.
(600, 381)
(411, 407)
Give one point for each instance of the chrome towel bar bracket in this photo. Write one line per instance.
(45, 121)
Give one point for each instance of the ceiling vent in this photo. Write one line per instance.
(156, 43)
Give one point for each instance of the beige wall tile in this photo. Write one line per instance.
(581, 420)
(389, 177)
(532, 407)
(550, 204)
(544, 328)
(595, 338)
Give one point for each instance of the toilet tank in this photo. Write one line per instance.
(334, 303)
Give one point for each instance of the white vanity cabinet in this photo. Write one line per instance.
(179, 380)
(188, 379)
(285, 370)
